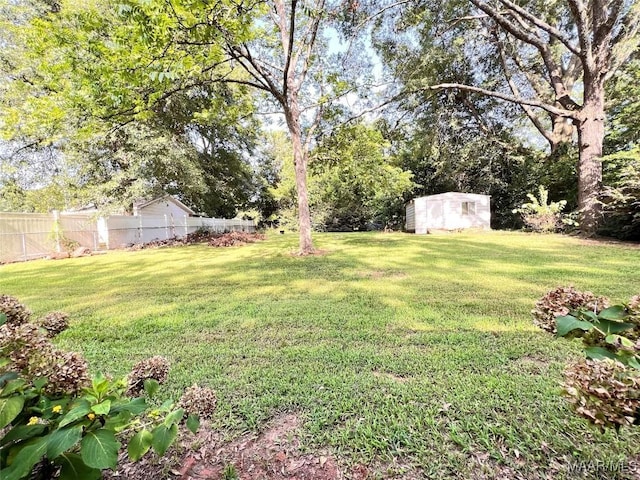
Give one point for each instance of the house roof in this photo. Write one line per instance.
(168, 198)
(453, 194)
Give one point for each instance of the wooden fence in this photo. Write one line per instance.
(25, 236)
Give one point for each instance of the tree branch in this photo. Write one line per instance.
(581, 17)
(555, 73)
(509, 98)
(315, 25)
(543, 25)
(516, 92)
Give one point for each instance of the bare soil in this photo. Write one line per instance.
(273, 454)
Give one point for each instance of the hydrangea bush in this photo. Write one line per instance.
(605, 386)
(56, 422)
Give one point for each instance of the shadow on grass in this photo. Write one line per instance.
(389, 345)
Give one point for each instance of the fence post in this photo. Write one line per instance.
(186, 226)
(56, 230)
(24, 245)
(166, 227)
(140, 231)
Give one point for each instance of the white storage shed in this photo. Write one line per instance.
(165, 205)
(448, 211)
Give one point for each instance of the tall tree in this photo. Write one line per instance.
(594, 37)
(551, 59)
(280, 68)
(79, 80)
(156, 49)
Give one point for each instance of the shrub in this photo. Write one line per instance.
(605, 388)
(30, 353)
(154, 368)
(562, 300)
(55, 423)
(55, 323)
(543, 216)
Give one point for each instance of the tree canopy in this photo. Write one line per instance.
(106, 101)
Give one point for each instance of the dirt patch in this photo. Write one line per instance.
(604, 241)
(391, 376)
(273, 454)
(315, 253)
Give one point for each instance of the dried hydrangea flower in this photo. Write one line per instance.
(199, 401)
(156, 368)
(55, 323)
(15, 311)
(562, 300)
(604, 391)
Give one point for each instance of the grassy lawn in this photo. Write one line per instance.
(393, 348)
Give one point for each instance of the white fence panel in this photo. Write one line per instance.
(81, 229)
(25, 236)
(122, 230)
(153, 227)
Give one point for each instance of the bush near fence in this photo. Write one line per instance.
(25, 236)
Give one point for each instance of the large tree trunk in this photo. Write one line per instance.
(561, 132)
(292, 115)
(590, 138)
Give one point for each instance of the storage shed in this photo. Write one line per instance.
(448, 211)
(165, 205)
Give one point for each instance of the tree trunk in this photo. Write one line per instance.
(590, 139)
(561, 132)
(292, 116)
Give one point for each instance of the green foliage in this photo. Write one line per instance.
(621, 196)
(543, 216)
(73, 432)
(605, 389)
(77, 431)
(355, 179)
(609, 333)
(124, 117)
(230, 472)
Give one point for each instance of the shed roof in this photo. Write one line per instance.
(453, 194)
(168, 198)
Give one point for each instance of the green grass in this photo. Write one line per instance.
(391, 347)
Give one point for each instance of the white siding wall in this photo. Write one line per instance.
(163, 207)
(435, 219)
(445, 212)
(457, 219)
(421, 215)
(410, 223)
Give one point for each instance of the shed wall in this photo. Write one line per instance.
(446, 212)
(163, 207)
(410, 217)
(421, 215)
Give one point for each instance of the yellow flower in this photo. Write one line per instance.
(57, 409)
(91, 416)
(33, 421)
